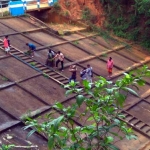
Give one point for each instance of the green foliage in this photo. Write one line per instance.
(129, 19)
(75, 42)
(142, 7)
(99, 116)
(33, 63)
(134, 34)
(57, 6)
(86, 14)
(100, 32)
(45, 75)
(67, 3)
(6, 147)
(6, 13)
(4, 78)
(66, 13)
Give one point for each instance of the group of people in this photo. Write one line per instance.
(51, 59)
(85, 73)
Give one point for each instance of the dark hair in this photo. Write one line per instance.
(58, 52)
(110, 58)
(50, 50)
(6, 36)
(88, 65)
(27, 44)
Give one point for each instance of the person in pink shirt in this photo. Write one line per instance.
(60, 58)
(110, 64)
(6, 44)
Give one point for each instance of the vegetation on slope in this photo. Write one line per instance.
(129, 19)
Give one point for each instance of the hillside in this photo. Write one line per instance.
(127, 19)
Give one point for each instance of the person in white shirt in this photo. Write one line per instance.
(83, 74)
(60, 58)
(89, 73)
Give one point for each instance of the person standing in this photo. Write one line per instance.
(83, 74)
(73, 70)
(89, 73)
(31, 50)
(50, 60)
(110, 65)
(6, 44)
(60, 59)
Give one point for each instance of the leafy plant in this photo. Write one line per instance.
(6, 13)
(57, 6)
(67, 3)
(99, 117)
(61, 32)
(45, 75)
(4, 78)
(86, 14)
(75, 42)
(66, 13)
(33, 63)
(6, 147)
(128, 19)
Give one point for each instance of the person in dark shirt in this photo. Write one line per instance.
(31, 50)
(73, 70)
(50, 60)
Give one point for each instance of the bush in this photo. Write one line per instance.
(57, 6)
(100, 115)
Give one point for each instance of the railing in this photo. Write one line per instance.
(26, 3)
(3, 4)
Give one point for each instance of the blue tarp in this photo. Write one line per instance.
(16, 8)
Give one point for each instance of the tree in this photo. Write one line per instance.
(99, 116)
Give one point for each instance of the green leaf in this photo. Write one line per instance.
(127, 75)
(51, 142)
(68, 92)
(113, 147)
(87, 84)
(30, 133)
(130, 90)
(130, 137)
(109, 139)
(58, 106)
(120, 98)
(141, 82)
(90, 118)
(109, 91)
(117, 121)
(80, 99)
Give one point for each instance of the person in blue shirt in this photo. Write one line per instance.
(31, 50)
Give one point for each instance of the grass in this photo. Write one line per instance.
(76, 42)
(61, 32)
(32, 63)
(45, 75)
(104, 55)
(93, 44)
(4, 78)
